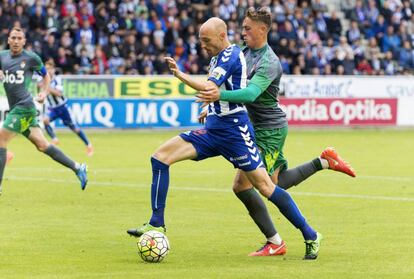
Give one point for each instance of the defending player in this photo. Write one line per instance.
(226, 123)
(270, 124)
(16, 69)
(57, 108)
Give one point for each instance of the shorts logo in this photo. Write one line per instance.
(25, 123)
(11, 125)
(271, 159)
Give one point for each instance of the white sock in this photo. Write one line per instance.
(324, 163)
(276, 239)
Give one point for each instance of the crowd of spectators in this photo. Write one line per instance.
(133, 36)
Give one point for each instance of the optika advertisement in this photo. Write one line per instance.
(340, 112)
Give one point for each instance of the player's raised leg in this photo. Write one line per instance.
(329, 159)
(172, 151)
(37, 138)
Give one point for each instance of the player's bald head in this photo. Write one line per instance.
(215, 25)
(213, 36)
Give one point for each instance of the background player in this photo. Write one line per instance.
(16, 70)
(57, 109)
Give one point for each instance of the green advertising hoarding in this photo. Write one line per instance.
(88, 87)
(98, 87)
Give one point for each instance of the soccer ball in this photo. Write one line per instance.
(153, 246)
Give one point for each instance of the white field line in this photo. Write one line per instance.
(208, 189)
(200, 171)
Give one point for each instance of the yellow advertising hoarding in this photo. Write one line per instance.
(152, 87)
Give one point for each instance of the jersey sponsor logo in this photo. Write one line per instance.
(11, 78)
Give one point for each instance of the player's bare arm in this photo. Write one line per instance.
(210, 94)
(187, 79)
(44, 89)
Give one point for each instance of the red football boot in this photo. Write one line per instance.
(336, 163)
(270, 249)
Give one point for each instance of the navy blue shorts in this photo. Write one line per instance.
(63, 114)
(236, 144)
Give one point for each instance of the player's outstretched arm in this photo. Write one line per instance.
(245, 95)
(187, 79)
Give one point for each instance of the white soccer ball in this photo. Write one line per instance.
(153, 246)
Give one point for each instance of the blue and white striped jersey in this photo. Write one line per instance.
(228, 71)
(52, 100)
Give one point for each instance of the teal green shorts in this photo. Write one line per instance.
(19, 120)
(270, 143)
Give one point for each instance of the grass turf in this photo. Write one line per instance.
(51, 229)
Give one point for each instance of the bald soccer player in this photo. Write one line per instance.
(227, 132)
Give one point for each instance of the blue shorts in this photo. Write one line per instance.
(63, 114)
(236, 144)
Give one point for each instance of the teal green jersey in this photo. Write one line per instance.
(264, 70)
(18, 71)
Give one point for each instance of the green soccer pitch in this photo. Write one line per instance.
(51, 229)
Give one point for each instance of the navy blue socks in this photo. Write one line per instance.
(159, 189)
(288, 208)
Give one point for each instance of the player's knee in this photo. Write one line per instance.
(275, 179)
(46, 121)
(42, 146)
(265, 188)
(266, 192)
(240, 187)
(236, 188)
(161, 156)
